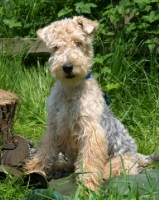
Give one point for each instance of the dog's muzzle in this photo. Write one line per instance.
(68, 70)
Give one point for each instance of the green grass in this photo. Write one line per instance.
(134, 101)
(32, 85)
(10, 189)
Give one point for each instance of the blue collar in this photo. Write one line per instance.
(107, 100)
(88, 75)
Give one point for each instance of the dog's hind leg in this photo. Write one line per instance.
(127, 163)
(145, 160)
(131, 163)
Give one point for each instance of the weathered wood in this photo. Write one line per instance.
(10, 46)
(8, 102)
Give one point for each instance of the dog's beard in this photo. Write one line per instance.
(69, 80)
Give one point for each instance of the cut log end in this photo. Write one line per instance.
(7, 97)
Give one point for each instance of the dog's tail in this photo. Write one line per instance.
(145, 160)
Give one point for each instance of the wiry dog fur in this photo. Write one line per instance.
(80, 123)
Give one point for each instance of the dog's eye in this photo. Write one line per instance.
(78, 44)
(55, 48)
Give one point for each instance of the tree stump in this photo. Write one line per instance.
(8, 102)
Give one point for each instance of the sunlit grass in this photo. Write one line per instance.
(32, 85)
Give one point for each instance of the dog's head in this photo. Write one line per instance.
(70, 44)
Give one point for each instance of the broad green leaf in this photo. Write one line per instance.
(105, 70)
(130, 27)
(84, 8)
(110, 33)
(46, 194)
(64, 12)
(12, 23)
(1, 11)
(151, 46)
(79, 4)
(111, 86)
(92, 5)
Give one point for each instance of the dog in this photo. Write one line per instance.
(80, 123)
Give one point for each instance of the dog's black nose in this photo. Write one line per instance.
(68, 68)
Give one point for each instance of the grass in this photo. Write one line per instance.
(32, 85)
(134, 101)
(11, 190)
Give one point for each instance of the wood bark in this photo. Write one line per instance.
(8, 102)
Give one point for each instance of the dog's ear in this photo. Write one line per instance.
(42, 33)
(88, 26)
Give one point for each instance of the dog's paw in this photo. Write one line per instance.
(62, 169)
(89, 180)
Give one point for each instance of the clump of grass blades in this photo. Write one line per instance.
(134, 99)
(32, 85)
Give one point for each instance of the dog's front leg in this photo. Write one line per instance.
(92, 154)
(47, 153)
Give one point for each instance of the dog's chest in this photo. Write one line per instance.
(70, 105)
(67, 108)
